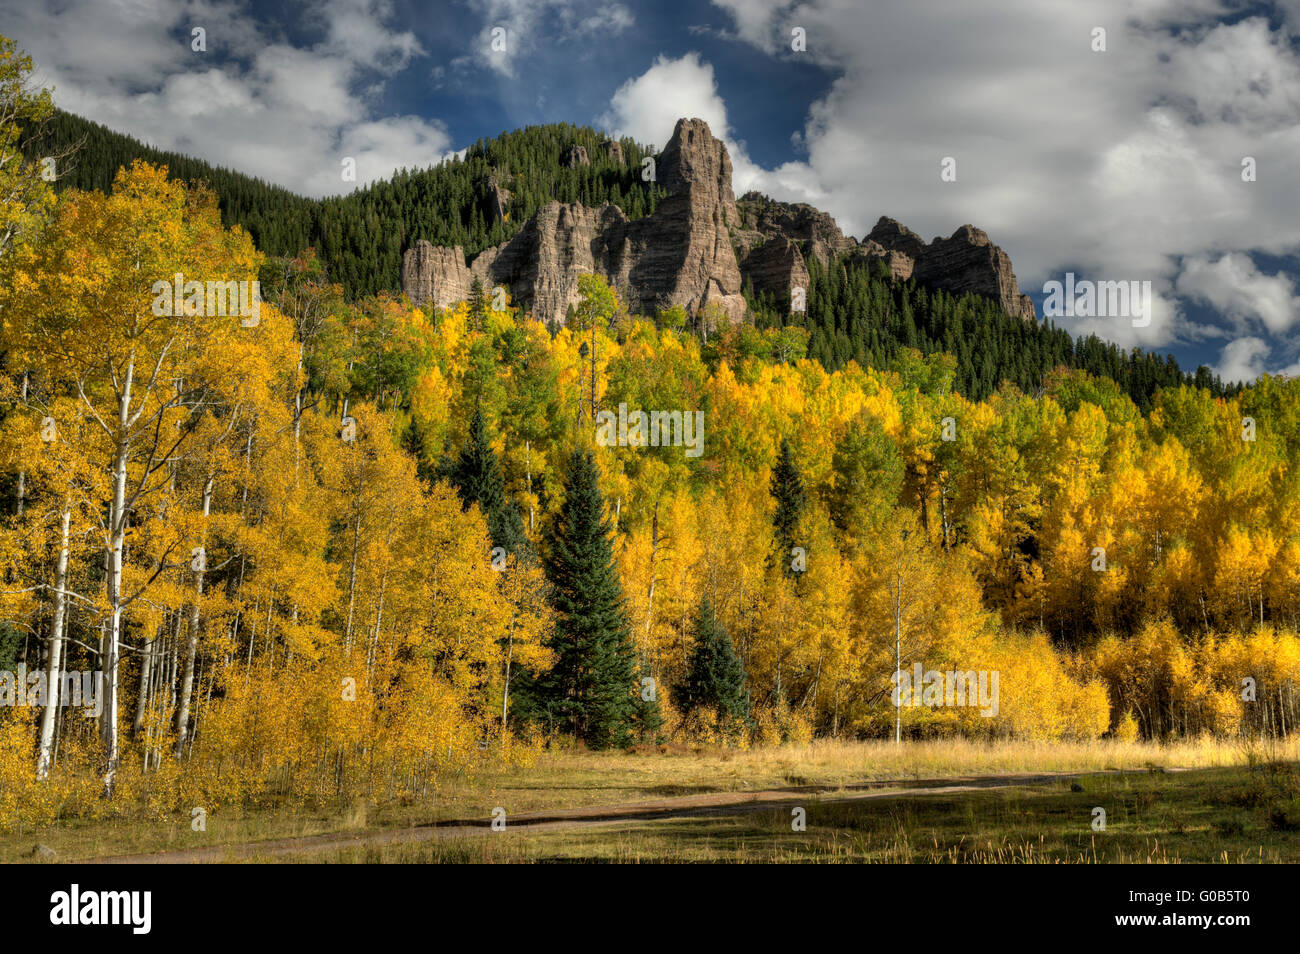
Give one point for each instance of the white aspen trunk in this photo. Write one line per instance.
(352, 582)
(297, 419)
(117, 540)
(146, 678)
(252, 639)
(510, 655)
(270, 635)
(194, 722)
(172, 645)
(943, 511)
(505, 694)
(593, 369)
(373, 655)
(192, 650)
(54, 665)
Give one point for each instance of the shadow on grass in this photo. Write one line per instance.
(1238, 814)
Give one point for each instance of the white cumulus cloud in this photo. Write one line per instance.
(648, 106)
(288, 114)
(1238, 290)
(1118, 165)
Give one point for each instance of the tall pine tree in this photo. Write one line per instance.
(477, 478)
(716, 675)
(590, 689)
(787, 490)
(477, 301)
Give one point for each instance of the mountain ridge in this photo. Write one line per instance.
(865, 309)
(679, 255)
(720, 247)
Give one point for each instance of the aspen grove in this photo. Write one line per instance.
(317, 555)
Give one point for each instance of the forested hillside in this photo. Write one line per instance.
(855, 312)
(360, 236)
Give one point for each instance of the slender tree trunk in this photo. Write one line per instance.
(593, 369)
(943, 511)
(252, 639)
(192, 650)
(117, 542)
(297, 419)
(146, 678)
(510, 655)
(270, 634)
(53, 668)
(373, 654)
(352, 581)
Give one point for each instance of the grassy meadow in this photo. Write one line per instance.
(929, 802)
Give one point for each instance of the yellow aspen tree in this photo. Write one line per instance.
(100, 309)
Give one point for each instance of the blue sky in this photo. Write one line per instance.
(1122, 163)
(573, 78)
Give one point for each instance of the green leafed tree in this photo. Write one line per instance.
(25, 196)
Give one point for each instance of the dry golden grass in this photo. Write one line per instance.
(574, 778)
(830, 762)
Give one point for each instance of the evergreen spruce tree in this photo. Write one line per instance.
(715, 675)
(477, 299)
(647, 720)
(592, 690)
(787, 490)
(476, 475)
(413, 442)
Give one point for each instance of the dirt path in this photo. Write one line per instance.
(688, 806)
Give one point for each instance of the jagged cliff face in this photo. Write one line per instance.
(435, 274)
(816, 231)
(696, 249)
(966, 261)
(775, 267)
(777, 237)
(680, 255)
(683, 251)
